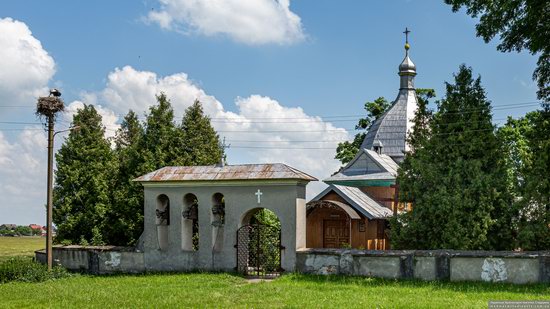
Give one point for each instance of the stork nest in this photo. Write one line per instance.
(49, 106)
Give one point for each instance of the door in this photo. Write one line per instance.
(335, 233)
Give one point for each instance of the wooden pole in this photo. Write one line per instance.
(50, 194)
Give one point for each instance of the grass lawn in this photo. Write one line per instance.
(20, 246)
(227, 290)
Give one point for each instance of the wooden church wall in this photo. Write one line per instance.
(361, 231)
(383, 195)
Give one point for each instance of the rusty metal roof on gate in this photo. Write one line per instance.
(227, 172)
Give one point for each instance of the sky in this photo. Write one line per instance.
(283, 81)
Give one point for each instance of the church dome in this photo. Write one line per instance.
(407, 66)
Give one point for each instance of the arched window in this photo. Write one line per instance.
(163, 220)
(190, 223)
(218, 221)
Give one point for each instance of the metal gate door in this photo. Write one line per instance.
(259, 250)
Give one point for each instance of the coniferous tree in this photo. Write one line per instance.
(83, 181)
(534, 225)
(200, 137)
(125, 217)
(162, 144)
(455, 178)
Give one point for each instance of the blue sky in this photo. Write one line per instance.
(337, 56)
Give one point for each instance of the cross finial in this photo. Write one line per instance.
(407, 46)
(406, 32)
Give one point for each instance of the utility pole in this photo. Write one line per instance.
(50, 195)
(48, 107)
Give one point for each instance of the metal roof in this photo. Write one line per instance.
(345, 207)
(359, 200)
(367, 165)
(390, 129)
(227, 172)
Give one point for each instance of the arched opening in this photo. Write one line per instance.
(259, 243)
(261, 216)
(162, 220)
(190, 223)
(218, 221)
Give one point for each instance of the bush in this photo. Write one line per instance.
(25, 269)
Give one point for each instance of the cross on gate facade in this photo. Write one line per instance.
(259, 195)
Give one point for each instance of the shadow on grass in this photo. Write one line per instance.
(462, 287)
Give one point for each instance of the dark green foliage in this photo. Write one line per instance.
(266, 217)
(84, 180)
(200, 137)
(125, 217)
(521, 24)
(24, 269)
(534, 225)
(23, 230)
(346, 151)
(455, 177)
(96, 200)
(422, 118)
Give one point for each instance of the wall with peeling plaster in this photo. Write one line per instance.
(487, 266)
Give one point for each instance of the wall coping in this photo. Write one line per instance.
(424, 253)
(90, 248)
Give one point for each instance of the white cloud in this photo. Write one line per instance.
(128, 88)
(252, 22)
(26, 70)
(26, 66)
(23, 177)
(278, 131)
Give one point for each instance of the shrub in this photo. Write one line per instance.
(25, 269)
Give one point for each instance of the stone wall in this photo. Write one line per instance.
(489, 266)
(96, 259)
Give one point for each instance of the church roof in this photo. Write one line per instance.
(390, 129)
(367, 165)
(359, 200)
(227, 172)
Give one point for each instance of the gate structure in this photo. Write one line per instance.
(259, 250)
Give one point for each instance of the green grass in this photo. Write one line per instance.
(227, 290)
(20, 246)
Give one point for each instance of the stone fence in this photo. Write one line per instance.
(96, 259)
(489, 266)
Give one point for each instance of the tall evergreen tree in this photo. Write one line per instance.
(83, 181)
(534, 225)
(162, 142)
(455, 179)
(200, 137)
(125, 217)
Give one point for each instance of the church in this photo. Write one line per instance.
(353, 211)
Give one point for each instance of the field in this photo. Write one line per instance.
(20, 246)
(227, 290)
